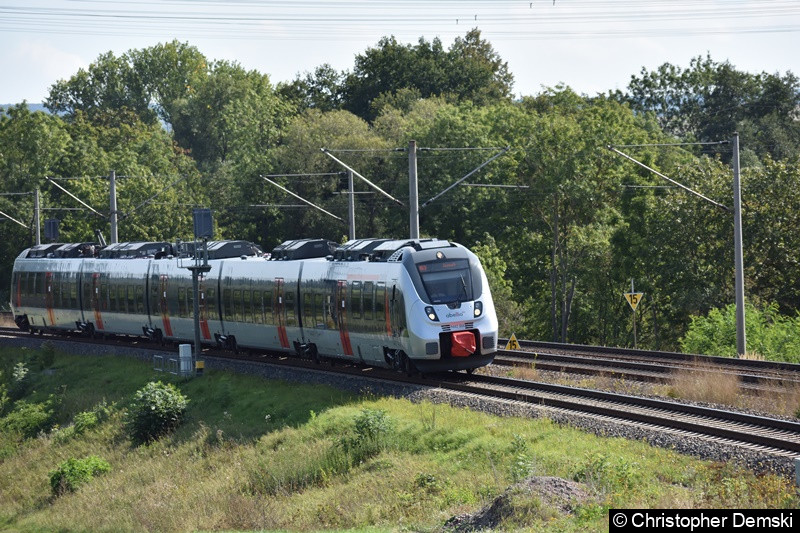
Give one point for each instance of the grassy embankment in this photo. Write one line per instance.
(255, 454)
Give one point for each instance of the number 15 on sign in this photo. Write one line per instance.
(634, 298)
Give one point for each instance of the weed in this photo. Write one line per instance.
(610, 474)
(20, 382)
(705, 383)
(372, 425)
(428, 482)
(46, 355)
(521, 465)
(73, 473)
(156, 410)
(429, 419)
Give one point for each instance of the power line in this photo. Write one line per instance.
(307, 174)
(669, 144)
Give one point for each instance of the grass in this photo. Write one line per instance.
(266, 455)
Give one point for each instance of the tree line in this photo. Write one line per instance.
(560, 249)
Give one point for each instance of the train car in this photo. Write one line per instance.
(406, 304)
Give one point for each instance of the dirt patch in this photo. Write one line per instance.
(553, 493)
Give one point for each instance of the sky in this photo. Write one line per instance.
(592, 46)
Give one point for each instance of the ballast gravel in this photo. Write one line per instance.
(760, 461)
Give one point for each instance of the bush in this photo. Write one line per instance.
(73, 473)
(28, 419)
(156, 410)
(769, 334)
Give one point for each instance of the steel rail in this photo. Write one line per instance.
(650, 371)
(655, 355)
(758, 430)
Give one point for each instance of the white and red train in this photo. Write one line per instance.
(408, 304)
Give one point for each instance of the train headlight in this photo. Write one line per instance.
(431, 313)
(478, 309)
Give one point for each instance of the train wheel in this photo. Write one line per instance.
(470, 371)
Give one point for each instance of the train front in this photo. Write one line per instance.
(453, 324)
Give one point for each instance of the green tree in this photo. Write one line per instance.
(322, 89)
(469, 70)
(709, 101)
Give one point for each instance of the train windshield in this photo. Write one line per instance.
(447, 281)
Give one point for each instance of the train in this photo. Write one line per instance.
(413, 305)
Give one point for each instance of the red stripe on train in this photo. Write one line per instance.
(284, 338)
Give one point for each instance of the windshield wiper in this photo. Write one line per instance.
(463, 288)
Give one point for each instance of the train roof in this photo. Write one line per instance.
(222, 249)
(42, 250)
(303, 249)
(131, 250)
(385, 249)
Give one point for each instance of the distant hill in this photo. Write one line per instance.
(32, 107)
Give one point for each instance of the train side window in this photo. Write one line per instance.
(290, 310)
(155, 295)
(122, 299)
(369, 300)
(112, 298)
(211, 303)
(73, 294)
(237, 306)
(380, 301)
(87, 293)
(227, 305)
(355, 300)
(131, 297)
(53, 289)
(268, 295)
(140, 300)
(258, 308)
(247, 297)
(329, 310)
(181, 302)
(319, 312)
(104, 296)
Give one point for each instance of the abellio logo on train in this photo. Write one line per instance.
(454, 315)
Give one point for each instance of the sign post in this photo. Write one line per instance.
(634, 298)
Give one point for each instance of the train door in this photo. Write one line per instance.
(96, 301)
(48, 297)
(280, 313)
(341, 316)
(163, 307)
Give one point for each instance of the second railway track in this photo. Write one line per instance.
(641, 365)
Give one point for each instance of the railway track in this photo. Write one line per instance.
(643, 365)
(767, 435)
